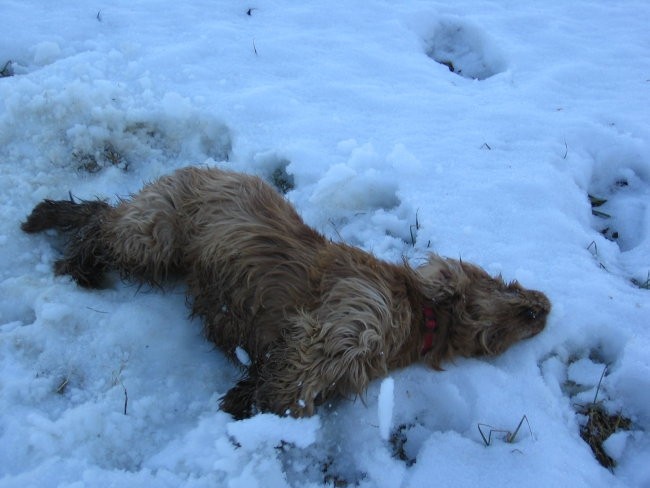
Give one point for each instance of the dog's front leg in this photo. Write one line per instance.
(272, 388)
(321, 357)
(239, 401)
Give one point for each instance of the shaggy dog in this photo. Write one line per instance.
(318, 319)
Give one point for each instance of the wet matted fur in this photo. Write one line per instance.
(318, 319)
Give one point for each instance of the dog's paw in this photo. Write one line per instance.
(86, 275)
(62, 215)
(239, 401)
(44, 216)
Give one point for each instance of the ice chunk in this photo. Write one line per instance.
(385, 405)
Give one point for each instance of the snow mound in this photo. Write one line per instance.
(92, 124)
(359, 200)
(272, 430)
(464, 48)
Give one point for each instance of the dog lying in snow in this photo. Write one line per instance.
(318, 319)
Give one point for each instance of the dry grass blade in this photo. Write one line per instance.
(600, 214)
(596, 201)
(509, 437)
(644, 285)
(62, 386)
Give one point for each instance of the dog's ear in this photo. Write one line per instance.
(441, 279)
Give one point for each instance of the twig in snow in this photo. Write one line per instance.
(335, 230)
(417, 227)
(602, 375)
(509, 436)
(7, 70)
(126, 394)
(595, 253)
(62, 386)
(95, 310)
(644, 285)
(117, 379)
(126, 398)
(595, 246)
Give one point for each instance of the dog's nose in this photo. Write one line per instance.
(531, 314)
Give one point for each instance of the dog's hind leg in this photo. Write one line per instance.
(147, 235)
(135, 238)
(143, 238)
(62, 215)
(85, 257)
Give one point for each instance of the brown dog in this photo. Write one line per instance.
(318, 319)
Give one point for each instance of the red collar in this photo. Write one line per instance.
(430, 325)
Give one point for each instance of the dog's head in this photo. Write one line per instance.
(483, 315)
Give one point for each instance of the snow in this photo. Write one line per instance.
(272, 430)
(242, 356)
(386, 148)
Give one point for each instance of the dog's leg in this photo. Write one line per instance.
(142, 238)
(147, 236)
(333, 351)
(313, 363)
(273, 385)
(85, 255)
(239, 401)
(290, 385)
(62, 215)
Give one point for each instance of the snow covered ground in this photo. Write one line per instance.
(472, 129)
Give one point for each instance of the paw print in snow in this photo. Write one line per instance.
(620, 209)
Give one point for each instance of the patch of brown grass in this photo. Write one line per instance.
(600, 425)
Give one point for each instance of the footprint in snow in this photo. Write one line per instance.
(620, 209)
(465, 49)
